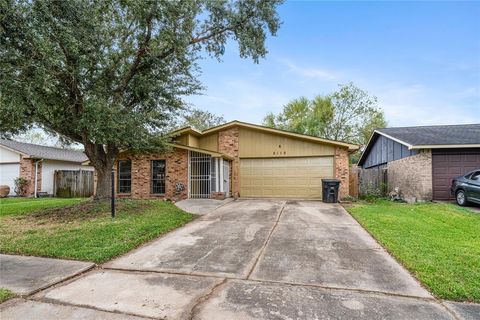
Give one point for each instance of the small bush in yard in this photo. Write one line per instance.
(21, 185)
(349, 198)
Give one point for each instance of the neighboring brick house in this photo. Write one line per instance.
(37, 164)
(420, 161)
(235, 159)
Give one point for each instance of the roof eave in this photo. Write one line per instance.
(211, 153)
(444, 146)
(14, 150)
(188, 129)
(395, 139)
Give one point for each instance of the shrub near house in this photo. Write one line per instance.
(21, 186)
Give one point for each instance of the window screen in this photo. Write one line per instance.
(158, 176)
(124, 176)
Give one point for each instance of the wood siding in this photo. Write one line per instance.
(209, 142)
(193, 141)
(257, 144)
(181, 139)
(385, 150)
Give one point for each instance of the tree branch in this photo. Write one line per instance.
(138, 57)
(211, 35)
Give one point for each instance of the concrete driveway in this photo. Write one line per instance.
(250, 259)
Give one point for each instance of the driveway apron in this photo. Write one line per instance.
(225, 243)
(320, 244)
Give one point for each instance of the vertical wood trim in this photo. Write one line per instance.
(220, 179)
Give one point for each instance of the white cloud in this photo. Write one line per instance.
(308, 72)
(412, 105)
(406, 102)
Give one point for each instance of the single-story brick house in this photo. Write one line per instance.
(37, 164)
(235, 159)
(420, 161)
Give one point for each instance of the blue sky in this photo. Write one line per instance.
(421, 59)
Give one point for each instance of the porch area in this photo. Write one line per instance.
(209, 176)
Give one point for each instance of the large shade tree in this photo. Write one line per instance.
(110, 74)
(349, 114)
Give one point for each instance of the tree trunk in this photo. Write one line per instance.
(102, 158)
(103, 189)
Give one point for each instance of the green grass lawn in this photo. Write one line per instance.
(438, 243)
(16, 206)
(5, 294)
(84, 231)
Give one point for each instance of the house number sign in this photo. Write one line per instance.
(279, 152)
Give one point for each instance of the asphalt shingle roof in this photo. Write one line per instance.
(436, 135)
(42, 152)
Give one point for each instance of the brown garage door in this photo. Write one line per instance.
(448, 164)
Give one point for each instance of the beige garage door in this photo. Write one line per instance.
(284, 177)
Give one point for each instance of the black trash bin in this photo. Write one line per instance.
(330, 190)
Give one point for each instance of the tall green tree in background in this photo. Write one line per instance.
(348, 114)
(111, 74)
(202, 119)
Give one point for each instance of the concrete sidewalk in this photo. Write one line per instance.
(25, 275)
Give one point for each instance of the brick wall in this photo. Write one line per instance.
(218, 195)
(413, 176)
(228, 144)
(176, 174)
(27, 171)
(342, 170)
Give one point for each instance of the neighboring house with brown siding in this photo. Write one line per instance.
(420, 161)
(37, 164)
(235, 159)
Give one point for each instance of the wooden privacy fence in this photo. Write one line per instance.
(374, 181)
(73, 183)
(353, 182)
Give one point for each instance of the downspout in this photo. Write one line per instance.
(36, 182)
